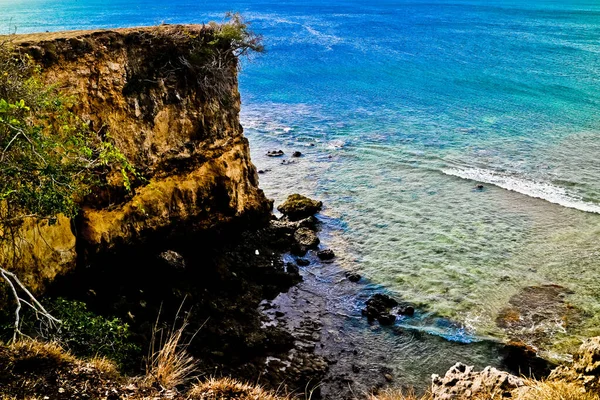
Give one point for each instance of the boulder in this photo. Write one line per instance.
(306, 238)
(298, 207)
(297, 154)
(462, 382)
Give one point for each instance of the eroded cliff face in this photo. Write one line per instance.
(145, 88)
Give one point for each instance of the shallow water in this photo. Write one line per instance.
(408, 105)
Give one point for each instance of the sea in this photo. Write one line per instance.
(455, 145)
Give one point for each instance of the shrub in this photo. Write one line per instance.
(86, 334)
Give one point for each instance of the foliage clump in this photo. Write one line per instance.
(48, 157)
(86, 334)
(49, 160)
(214, 54)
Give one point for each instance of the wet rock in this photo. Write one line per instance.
(275, 153)
(291, 226)
(173, 259)
(519, 356)
(408, 311)
(297, 154)
(353, 276)
(378, 308)
(292, 269)
(326, 254)
(479, 187)
(303, 262)
(585, 368)
(386, 319)
(263, 171)
(297, 207)
(306, 238)
(461, 382)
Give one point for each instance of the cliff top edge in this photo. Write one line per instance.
(63, 35)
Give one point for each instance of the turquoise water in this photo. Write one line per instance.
(400, 109)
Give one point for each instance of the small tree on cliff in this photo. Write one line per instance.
(48, 160)
(213, 58)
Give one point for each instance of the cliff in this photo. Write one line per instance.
(153, 92)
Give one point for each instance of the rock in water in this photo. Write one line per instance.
(326, 254)
(378, 308)
(275, 153)
(297, 207)
(353, 276)
(307, 238)
(303, 262)
(297, 154)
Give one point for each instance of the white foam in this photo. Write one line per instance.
(540, 190)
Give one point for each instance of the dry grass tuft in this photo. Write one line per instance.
(103, 365)
(399, 394)
(555, 390)
(227, 388)
(170, 365)
(34, 349)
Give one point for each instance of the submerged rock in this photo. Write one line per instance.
(536, 313)
(297, 207)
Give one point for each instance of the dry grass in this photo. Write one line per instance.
(169, 364)
(555, 390)
(37, 349)
(103, 365)
(227, 388)
(399, 394)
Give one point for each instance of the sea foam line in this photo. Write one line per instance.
(540, 190)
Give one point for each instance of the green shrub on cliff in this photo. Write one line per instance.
(49, 159)
(214, 55)
(89, 335)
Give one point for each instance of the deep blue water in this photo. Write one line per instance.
(400, 108)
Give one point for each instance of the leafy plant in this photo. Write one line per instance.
(49, 160)
(86, 334)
